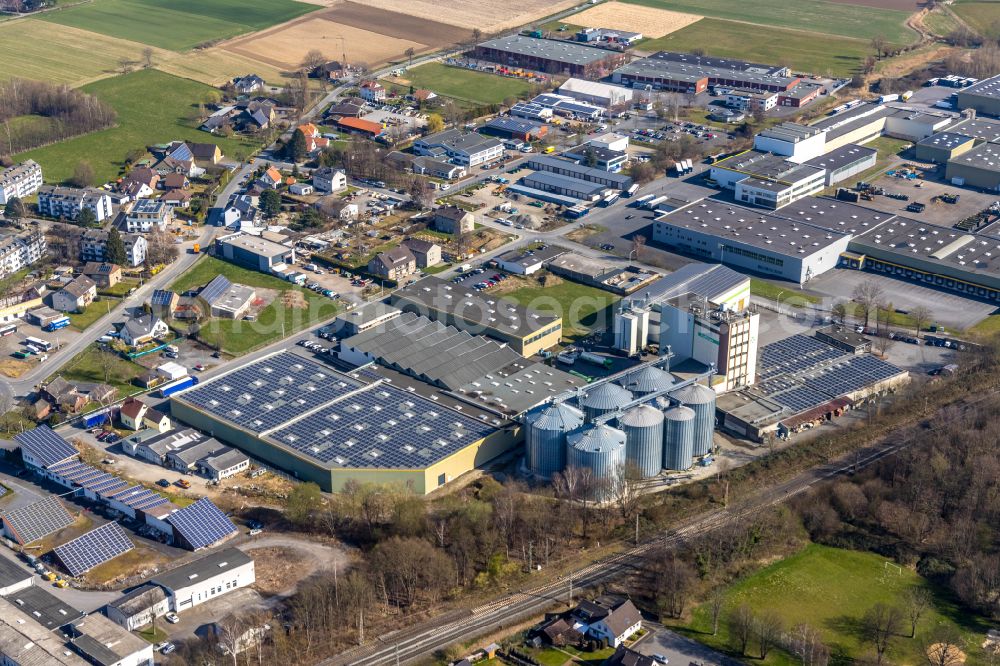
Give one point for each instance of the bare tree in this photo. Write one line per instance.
(883, 319)
(917, 600)
(868, 295)
(879, 46)
(839, 312)
(125, 65)
(674, 582)
(741, 626)
(921, 316)
(880, 624)
(230, 635)
(409, 56)
(943, 648)
(638, 243)
(767, 628)
(147, 57)
(716, 602)
(625, 489)
(807, 643)
(313, 59)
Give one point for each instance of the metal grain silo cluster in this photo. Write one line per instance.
(546, 427)
(599, 448)
(678, 437)
(602, 399)
(643, 428)
(649, 379)
(701, 399)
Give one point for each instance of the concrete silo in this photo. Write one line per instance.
(599, 448)
(678, 437)
(702, 400)
(602, 399)
(643, 428)
(545, 436)
(647, 380)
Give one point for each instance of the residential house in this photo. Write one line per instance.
(142, 329)
(67, 202)
(271, 178)
(163, 303)
(75, 296)
(465, 148)
(103, 274)
(331, 71)
(232, 636)
(624, 656)
(21, 180)
(608, 619)
(243, 211)
(394, 264)
(337, 208)
(138, 608)
(328, 179)
(132, 412)
(254, 117)
(94, 245)
(422, 95)
(351, 107)
(175, 181)
(437, 168)
(177, 199)
(453, 220)
(72, 397)
(372, 92)
(246, 85)
(206, 153)
(425, 252)
(224, 465)
(140, 183)
(147, 215)
(134, 190)
(171, 164)
(156, 420)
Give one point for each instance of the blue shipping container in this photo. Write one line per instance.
(179, 385)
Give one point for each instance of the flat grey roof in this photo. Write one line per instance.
(45, 608)
(255, 244)
(433, 294)
(455, 139)
(984, 156)
(790, 132)
(767, 166)
(833, 215)
(519, 386)
(104, 640)
(204, 567)
(946, 140)
(980, 128)
(987, 88)
(545, 162)
(838, 158)
(12, 573)
(531, 256)
(845, 334)
(550, 49)
(752, 226)
(701, 280)
(670, 66)
(547, 178)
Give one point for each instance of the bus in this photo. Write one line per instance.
(56, 324)
(7, 329)
(38, 343)
(631, 190)
(609, 199)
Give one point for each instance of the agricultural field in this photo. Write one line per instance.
(650, 21)
(181, 25)
(215, 66)
(813, 16)
(902, 5)
(33, 49)
(830, 589)
(464, 84)
(983, 17)
(472, 14)
(153, 107)
(808, 52)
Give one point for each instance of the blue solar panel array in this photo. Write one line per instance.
(202, 524)
(161, 297)
(139, 498)
(35, 521)
(793, 354)
(93, 548)
(85, 476)
(270, 392)
(45, 446)
(216, 288)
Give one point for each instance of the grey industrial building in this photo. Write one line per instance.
(978, 167)
(565, 186)
(767, 180)
(943, 146)
(983, 96)
(253, 252)
(843, 162)
(550, 55)
(983, 129)
(687, 72)
(572, 169)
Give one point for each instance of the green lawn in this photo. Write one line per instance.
(152, 107)
(582, 308)
(988, 327)
(785, 294)
(152, 634)
(83, 320)
(120, 289)
(273, 322)
(831, 589)
(465, 84)
(95, 365)
(831, 18)
(809, 52)
(179, 24)
(941, 22)
(983, 17)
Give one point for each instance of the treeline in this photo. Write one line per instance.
(69, 112)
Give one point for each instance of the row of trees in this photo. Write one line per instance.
(68, 112)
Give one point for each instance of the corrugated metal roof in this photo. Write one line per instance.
(606, 396)
(648, 380)
(694, 394)
(596, 439)
(556, 416)
(703, 280)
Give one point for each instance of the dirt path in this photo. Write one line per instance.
(283, 560)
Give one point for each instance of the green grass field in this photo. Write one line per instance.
(152, 107)
(465, 84)
(274, 321)
(831, 589)
(983, 17)
(94, 365)
(84, 320)
(814, 53)
(831, 18)
(180, 24)
(582, 308)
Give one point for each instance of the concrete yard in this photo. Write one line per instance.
(680, 651)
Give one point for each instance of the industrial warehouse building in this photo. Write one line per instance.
(871, 120)
(550, 56)
(571, 169)
(564, 186)
(983, 129)
(253, 252)
(943, 146)
(798, 143)
(767, 180)
(978, 167)
(598, 94)
(526, 331)
(686, 72)
(983, 96)
(844, 162)
(325, 426)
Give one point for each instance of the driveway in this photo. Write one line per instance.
(680, 651)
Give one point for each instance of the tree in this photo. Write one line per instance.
(643, 172)
(921, 316)
(86, 218)
(270, 202)
(125, 65)
(147, 57)
(716, 602)
(435, 123)
(83, 174)
(868, 295)
(917, 600)
(297, 148)
(879, 46)
(313, 59)
(943, 647)
(767, 628)
(638, 243)
(883, 319)
(161, 249)
(625, 489)
(879, 625)
(807, 643)
(409, 56)
(14, 210)
(303, 501)
(839, 312)
(115, 252)
(741, 625)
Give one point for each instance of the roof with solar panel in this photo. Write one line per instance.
(337, 420)
(44, 447)
(93, 548)
(35, 521)
(201, 525)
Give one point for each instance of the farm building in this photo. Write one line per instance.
(526, 331)
(329, 427)
(978, 167)
(983, 96)
(686, 72)
(550, 56)
(360, 126)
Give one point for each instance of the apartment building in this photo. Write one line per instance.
(67, 202)
(94, 247)
(21, 180)
(147, 215)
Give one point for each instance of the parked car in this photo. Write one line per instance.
(168, 648)
(172, 618)
(183, 483)
(163, 483)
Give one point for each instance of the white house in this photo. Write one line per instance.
(610, 620)
(328, 179)
(142, 329)
(21, 180)
(301, 189)
(372, 91)
(206, 578)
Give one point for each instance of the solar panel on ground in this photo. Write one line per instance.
(45, 446)
(216, 288)
(38, 520)
(202, 524)
(96, 547)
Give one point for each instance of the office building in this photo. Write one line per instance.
(467, 149)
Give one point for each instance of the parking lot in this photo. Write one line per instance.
(678, 650)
